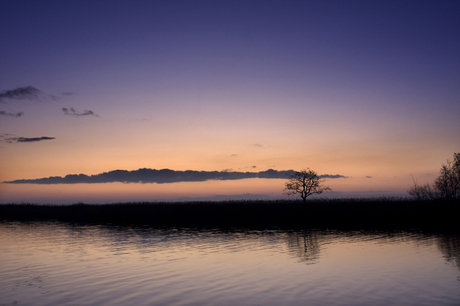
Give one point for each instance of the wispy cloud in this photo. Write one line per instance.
(20, 93)
(24, 93)
(26, 139)
(73, 112)
(160, 176)
(19, 114)
(332, 176)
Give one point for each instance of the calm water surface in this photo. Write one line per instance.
(61, 264)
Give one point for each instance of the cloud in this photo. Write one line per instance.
(162, 176)
(25, 139)
(24, 93)
(20, 93)
(332, 176)
(73, 112)
(3, 113)
(258, 145)
(368, 176)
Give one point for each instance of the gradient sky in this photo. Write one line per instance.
(369, 90)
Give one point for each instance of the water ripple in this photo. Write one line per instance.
(61, 264)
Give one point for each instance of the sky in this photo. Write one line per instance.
(366, 93)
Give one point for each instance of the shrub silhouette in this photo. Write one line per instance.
(446, 186)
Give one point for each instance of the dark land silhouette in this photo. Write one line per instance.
(377, 213)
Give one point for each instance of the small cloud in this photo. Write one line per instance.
(368, 176)
(25, 93)
(26, 139)
(254, 166)
(20, 93)
(3, 113)
(73, 112)
(332, 176)
(233, 155)
(258, 145)
(67, 93)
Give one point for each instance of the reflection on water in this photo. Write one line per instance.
(450, 248)
(304, 245)
(58, 264)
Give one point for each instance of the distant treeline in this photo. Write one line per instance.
(382, 213)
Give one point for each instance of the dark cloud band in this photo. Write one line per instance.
(160, 176)
(3, 113)
(25, 139)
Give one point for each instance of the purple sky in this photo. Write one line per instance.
(365, 89)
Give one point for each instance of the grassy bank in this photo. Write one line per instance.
(383, 213)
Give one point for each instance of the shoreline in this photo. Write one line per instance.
(380, 213)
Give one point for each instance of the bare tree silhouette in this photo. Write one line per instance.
(446, 186)
(305, 183)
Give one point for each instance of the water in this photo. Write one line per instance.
(61, 264)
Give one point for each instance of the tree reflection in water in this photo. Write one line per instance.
(305, 245)
(449, 245)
